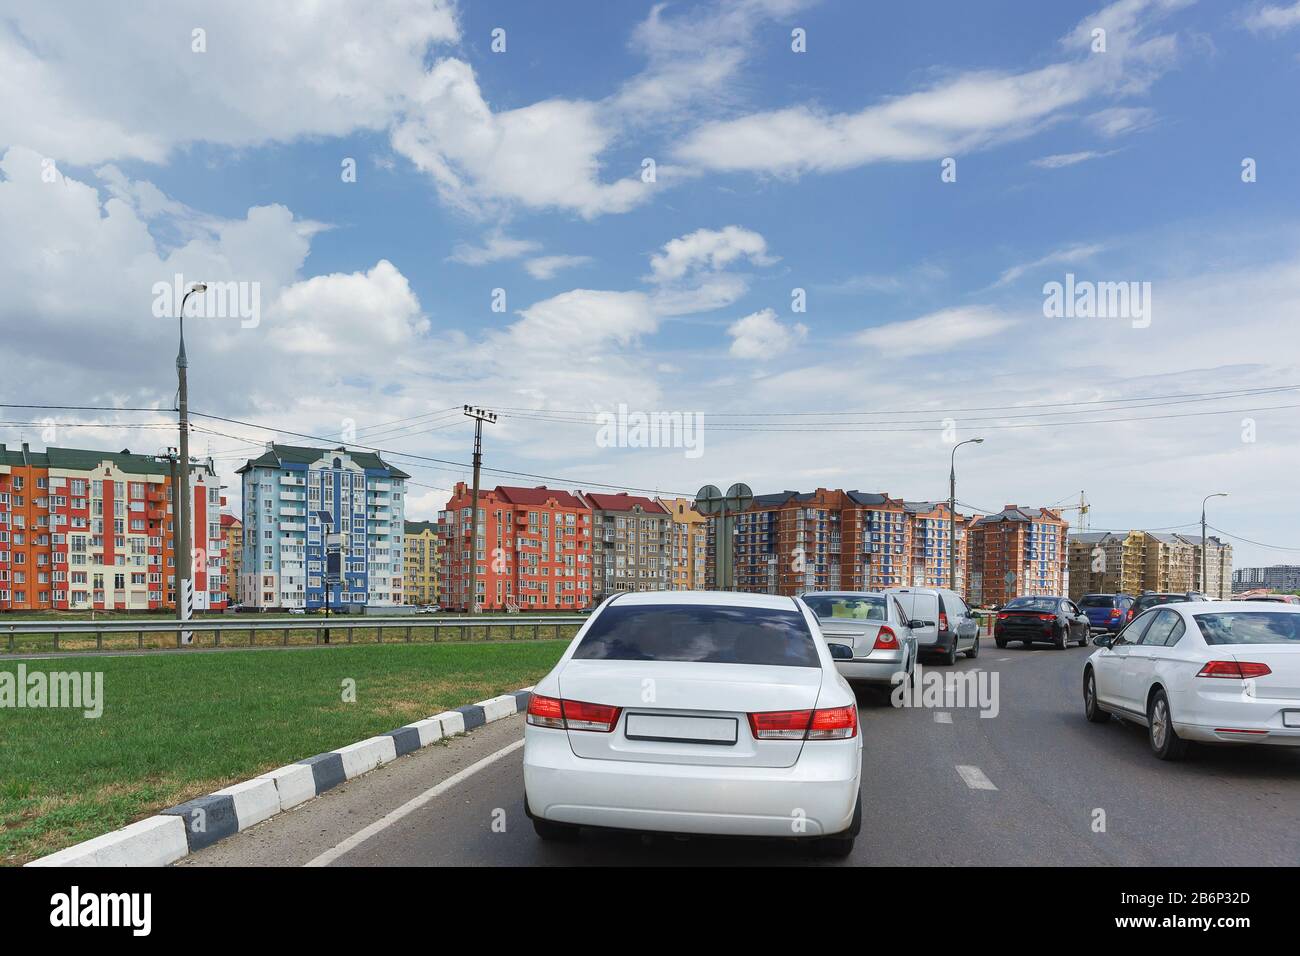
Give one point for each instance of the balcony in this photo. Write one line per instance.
(292, 496)
(290, 481)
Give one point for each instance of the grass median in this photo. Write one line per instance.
(178, 726)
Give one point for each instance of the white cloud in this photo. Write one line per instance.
(762, 335)
(1071, 254)
(935, 333)
(262, 79)
(964, 113)
(1274, 19)
(493, 249)
(1119, 121)
(546, 267)
(708, 249)
(1061, 160)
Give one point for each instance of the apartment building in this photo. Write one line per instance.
(533, 552)
(91, 530)
(420, 566)
(234, 531)
(285, 492)
(1106, 562)
(1218, 568)
(689, 554)
(1030, 544)
(1170, 563)
(632, 543)
(1274, 577)
(930, 550)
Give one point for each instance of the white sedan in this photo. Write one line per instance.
(1224, 672)
(696, 712)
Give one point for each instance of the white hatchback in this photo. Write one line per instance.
(696, 712)
(1224, 672)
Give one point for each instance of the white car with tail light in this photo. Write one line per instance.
(1222, 672)
(874, 628)
(700, 713)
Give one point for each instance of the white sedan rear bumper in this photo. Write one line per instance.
(1211, 714)
(816, 796)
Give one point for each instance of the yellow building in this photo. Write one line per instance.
(689, 547)
(420, 563)
(234, 529)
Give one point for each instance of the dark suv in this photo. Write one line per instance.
(1107, 613)
(1149, 599)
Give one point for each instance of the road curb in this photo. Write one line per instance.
(178, 831)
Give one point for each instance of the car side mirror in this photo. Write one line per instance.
(917, 622)
(841, 652)
(1103, 640)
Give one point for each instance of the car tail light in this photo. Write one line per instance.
(1114, 613)
(1234, 670)
(1047, 617)
(943, 620)
(886, 639)
(1129, 616)
(1003, 617)
(571, 714)
(831, 723)
(834, 723)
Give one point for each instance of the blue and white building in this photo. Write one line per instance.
(284, 492)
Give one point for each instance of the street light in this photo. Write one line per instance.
(1204, 589)
(184, 556)
(952, 510)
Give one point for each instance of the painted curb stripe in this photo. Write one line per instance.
(207, 819)
(522, 697)
(473, 714)
(405, 739)
(326, 770)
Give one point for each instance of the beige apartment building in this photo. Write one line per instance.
(234, 529)
(421, 563)
(631, 543)
(1106, 562)
(1136, 561)
(688, 564)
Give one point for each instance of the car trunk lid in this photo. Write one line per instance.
(688, 712)
(1283, 680)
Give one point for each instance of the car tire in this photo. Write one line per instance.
(1001, 642)
(553, 832)
(950, 656)
(1062, 639)
(974, 651)
(840, 845)
(1092, 709)
(1164, 740)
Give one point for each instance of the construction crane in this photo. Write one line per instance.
(1082, 507)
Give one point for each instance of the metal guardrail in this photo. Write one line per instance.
(323, 627)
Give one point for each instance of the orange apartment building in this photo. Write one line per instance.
(533, 552)
(1031, 543)
(83, 530)
(690, 545)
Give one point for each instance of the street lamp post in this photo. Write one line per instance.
(1204, 588)
(952, 510)
(184, 555)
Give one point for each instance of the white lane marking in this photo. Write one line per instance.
(1002, 658)
(942, 717)
(974, 778)
(410, 806)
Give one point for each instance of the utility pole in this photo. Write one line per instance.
(1204, 587)
(952, 511)
(480, 415)
(184, 547)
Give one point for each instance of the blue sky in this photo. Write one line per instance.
(777, 171)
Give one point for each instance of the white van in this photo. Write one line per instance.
(940, 621)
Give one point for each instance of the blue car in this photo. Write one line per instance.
(1107, 613)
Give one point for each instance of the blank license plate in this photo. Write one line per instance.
(1291, 718)
(696, 730)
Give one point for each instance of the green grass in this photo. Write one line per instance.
(176, 726)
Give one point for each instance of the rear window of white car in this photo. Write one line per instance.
(844, 608)
(697, 633)
(1249, 627)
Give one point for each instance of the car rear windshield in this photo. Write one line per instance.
(1151, 600)
(1031, 604)
(699, 633)
(845, 608)
(1250, 627)
(1098, 600)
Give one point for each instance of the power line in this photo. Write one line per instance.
(1260, 544)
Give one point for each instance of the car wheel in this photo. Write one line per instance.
(840, 845)
(974, 651)
(950, 656)
(1001, 642)
(1091, 708)
(1165, 742)
(553, 832)
(1060, 640)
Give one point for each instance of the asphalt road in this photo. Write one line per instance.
(940, 787)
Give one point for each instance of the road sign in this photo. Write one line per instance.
(709, 500)
(739, 497)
